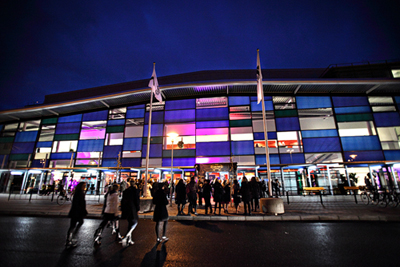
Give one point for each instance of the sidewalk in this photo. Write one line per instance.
(301, 208)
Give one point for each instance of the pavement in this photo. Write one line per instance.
(296, 208)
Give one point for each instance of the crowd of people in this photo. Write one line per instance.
(125, 197)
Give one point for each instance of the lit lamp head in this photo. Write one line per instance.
(172, 136)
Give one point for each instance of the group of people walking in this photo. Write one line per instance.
(130, 206)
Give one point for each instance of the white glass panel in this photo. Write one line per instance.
(180, 129)
(212, 138)
(64, 146)
(259, 127)
(289, 142)
(153, 162)
(113, 139)
(357, 128)
(390, 137)
(383, 108)
(131, 154)
(324, 158)
(189, 142)
(29, 126)
(244, 160)
(241, 133)
(133, 131)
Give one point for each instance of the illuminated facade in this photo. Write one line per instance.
(320, 123)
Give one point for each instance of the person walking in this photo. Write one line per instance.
(200, 193)
(130, 206)
(191, 190)
(110, 214)
(218, 193)
(226, 198)
(255, 193)
(236, 195)
(207, 189)
(246, 196)
(77, 213)
(180, 196)
(160, 212)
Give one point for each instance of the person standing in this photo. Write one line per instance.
(226, 198)
(218, 193)
(191, 190)
(130, 206)
(110, 212)
(180, 196)
(207, 189)
(236, 194)
(77, 213)
(200, 193)
(160, 212)
(255, 193)
(246, 196)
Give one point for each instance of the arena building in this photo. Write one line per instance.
(326, 127)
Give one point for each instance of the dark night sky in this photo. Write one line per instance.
(52, 46)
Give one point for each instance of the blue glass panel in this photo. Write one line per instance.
(44, 144)
(135, 113)
(360, 109)
(95, 145)
(327, 144)
(115, 122)
(96, 116)
(352, 143)
(26, 136)
(292, 158)
(364, 155)
(303, 102)
(258, 107)
(180, 104)
(239, 100)
(112, 151)
(155, 151)
(68, 128)
(37, 164)
(19, 148)
(260, 136)
(66, 155)
(1, 127)
(166, 162)
(242, 147)
(156, 130)
(319, 133)
(212, 114)
(72, 118)
(131, 162)
(273, 159)
(397, 99)
(392, 154)
(211, 124)
(213, 149)
(109, 163)
(136, 106)
(254, 98)
(156, 117)
(180, 115)
(350, 101)
(287, 124)
(133, 143)
(387, 119)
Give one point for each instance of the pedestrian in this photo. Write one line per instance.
(276, 186)
(207, 189)
(226, 197)
(236, 195)
(180, 196)
(246, 196)
(110, 214)
(218, 193)
(255, 193)
(160, 212)
(191, 191)
(200, 193)
(77, 213)
(263, 188)
(130, 207)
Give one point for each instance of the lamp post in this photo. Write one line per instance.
(172, 136)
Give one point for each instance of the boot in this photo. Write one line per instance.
(97, 236)
(70, 243)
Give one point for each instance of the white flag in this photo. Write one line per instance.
(153, 83)
(260, 92)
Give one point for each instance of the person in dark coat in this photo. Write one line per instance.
(255, 194)
(226, 198)
(160, 211)
(191, 190)
(77, 213)
(207, 189)
(180, 196)
(246, 196)
(130, 207)
(236, 194)
(218, 193)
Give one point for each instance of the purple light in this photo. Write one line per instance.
(212, 160)
(93, 134)
(212, 131)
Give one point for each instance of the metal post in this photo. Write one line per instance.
(330, 181)
(347, 175)
(172, 174)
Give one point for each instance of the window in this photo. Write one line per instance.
(284, 102)
(313, 119)
(42, 152)
(212, 102)
(29, 126)
(93, 130)
(289, 142)
(323, 158)
(113, 139)
(396, 73)
(212, 134)
(357, 128)
(47, 133)
(133, 131)
(241, 133)
(381, 103)
(64, 146)
(389, 137)
(117, 113)
(88, 158)
(258, 125)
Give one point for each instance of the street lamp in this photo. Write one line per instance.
(172, 136)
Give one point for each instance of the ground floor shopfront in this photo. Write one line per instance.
(332, 177)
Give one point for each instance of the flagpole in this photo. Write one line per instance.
(148, 143)
(265, 127)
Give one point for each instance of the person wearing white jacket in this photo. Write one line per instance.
(110, 214)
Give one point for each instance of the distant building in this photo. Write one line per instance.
(322, 124)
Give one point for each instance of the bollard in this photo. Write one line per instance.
(30, 197)
(11, 189)
(287, 196)
(52, 196)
